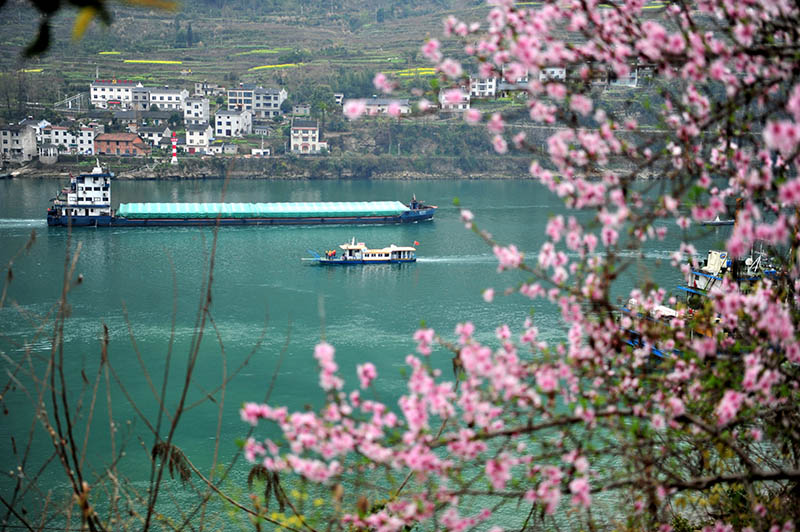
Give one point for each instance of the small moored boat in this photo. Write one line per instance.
(358, 253)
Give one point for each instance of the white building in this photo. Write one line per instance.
(17, 143)
(140, 99)
(553, 73)
(261, 102)
(204, 88)
(233, 123)
(196, 110)
(112, 92)
(72, 140)
(305, 137)
(38, 127)
(168, 99)
(301, 109)
(380, 106)
(198, 138)
(154, 134)
(482, 87)
(461, 105)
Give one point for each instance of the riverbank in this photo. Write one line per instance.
(290, 167)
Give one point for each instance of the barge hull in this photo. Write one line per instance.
(106, 221)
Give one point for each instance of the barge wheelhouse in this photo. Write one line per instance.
(85, 201)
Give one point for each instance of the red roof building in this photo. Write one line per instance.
(120, 144)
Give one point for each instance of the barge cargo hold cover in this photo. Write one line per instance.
(261, 210)
(87, 202)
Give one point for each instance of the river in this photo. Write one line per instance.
(145, 284)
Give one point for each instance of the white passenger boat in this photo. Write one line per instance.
(352, 253)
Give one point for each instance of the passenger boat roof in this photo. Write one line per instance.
(361, 246)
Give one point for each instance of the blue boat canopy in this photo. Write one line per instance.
(261, 210)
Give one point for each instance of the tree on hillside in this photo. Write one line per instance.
(189, 40)
(652, 414)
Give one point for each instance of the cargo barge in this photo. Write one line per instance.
(87, 202)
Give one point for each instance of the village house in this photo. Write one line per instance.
(446, 105)
(168, 99)
(262, 128)
(120, 144)
(154, 134)
(105, 93)
(338, 97)
(260, 152)
(48, 153)
(261, 102)
(209, 90)
(17, 143)
(223, 148)
(380, 106)
(166, 144)
(233, 123)
(127, 117)
(37, 125)
(72, 138)
(305, 137)
(553, 74)
(482, 87)
(154, 118)
(196, 110)
(301, 109)
(140, 99)
(198, 137)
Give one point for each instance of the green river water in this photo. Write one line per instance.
(146, 278)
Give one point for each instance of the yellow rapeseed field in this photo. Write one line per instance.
(152, 61)
(285, 65)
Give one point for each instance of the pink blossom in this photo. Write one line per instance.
(431, 50)
(354, 108)
(366, 374)
(495, 123)
(472, 116)
(424, 338)
(500, 145)
(581, 104)
(729, 406)
(488, 295)
(581, 492)
(450, 68)
(508, 257)
(382, 83)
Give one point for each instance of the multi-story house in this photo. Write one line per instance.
(153, 134)
(261, 102)
(140, 99)
(168, 99)
(305, 137)
(72, 139)
(553, 74)
(37, 125)
(448, 105)
(199, 137)
(380, 106)
(17, 143)
(233, 123)
(301, 109)
(195, 110)
(204, 88)
(105, 93)
(482, 87)
(120, 144)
